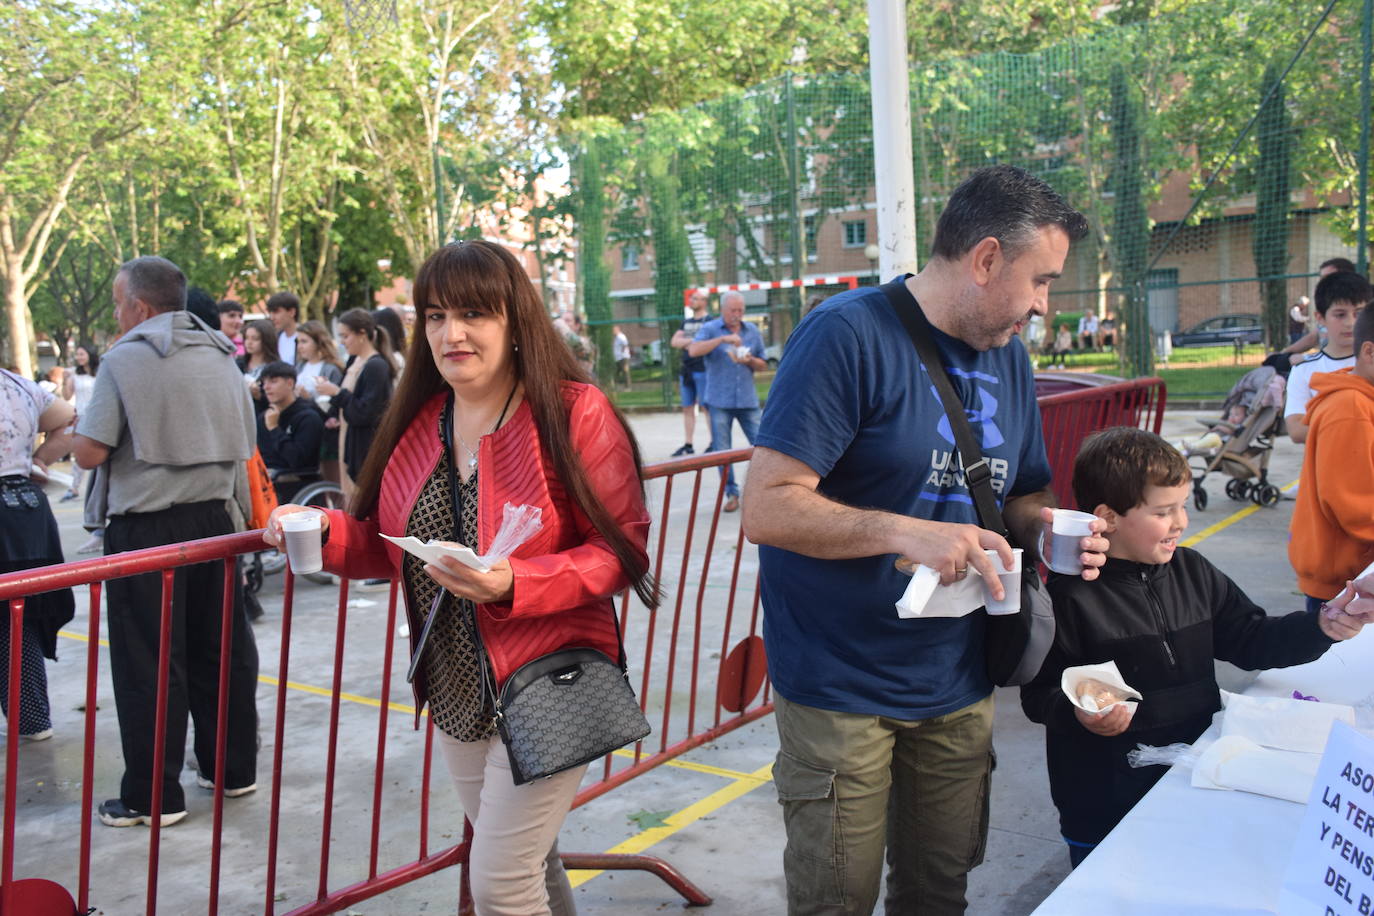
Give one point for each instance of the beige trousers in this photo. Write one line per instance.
(513, 865)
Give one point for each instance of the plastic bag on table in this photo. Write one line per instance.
(1145, 755)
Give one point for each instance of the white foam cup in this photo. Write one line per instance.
(1069, 528)
(1011, 583)
(303, 533)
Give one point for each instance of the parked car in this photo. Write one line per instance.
(1222, 329)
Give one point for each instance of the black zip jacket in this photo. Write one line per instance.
(1163, 626)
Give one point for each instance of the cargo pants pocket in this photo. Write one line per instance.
(979, 844)
(814, 857)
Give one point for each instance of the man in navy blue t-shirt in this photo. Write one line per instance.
(885, 724)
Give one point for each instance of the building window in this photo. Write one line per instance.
(856, 233)
(629, 257)
(809, 223)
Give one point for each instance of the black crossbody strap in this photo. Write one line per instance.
(977, 472)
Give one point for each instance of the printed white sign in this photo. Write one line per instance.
(1331, 870)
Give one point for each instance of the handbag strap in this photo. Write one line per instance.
(977, 471)
(456, 500)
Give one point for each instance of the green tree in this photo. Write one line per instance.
(438, 111)
(1270, 238)
(71, 82)
(276, 105)
(1131, 226)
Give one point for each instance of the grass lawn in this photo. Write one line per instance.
(1191, 373)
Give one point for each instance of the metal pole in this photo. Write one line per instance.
(1362, 234)
(892, 162)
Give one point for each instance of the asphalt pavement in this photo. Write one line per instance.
(714, 816)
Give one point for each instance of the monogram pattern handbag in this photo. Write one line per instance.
(565, 709)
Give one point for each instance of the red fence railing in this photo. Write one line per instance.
(1067, 418)
(698, 661)
(706, 634)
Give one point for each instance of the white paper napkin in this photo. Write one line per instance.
(926, 597)
(1279, 722)
(431, 551)
(1239, 764)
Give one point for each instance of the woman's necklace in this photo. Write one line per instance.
(472, 454)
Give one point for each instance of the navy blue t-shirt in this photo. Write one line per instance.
(853, 402)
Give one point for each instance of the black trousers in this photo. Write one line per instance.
(134, 609)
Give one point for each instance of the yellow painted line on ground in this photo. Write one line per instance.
(346, 697)
(695, 767)
(1227, 522)
(746, 783)
(291, 685)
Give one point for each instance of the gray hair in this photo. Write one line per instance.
(731, 295)
(156, 282)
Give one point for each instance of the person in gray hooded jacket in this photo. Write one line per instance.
(172, 424)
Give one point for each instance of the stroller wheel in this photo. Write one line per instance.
(1235, 489)
(1257, 495)
(1200, 499)
(1270, 495)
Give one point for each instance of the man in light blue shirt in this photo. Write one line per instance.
(733, 350)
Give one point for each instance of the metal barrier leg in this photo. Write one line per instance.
(694, 895)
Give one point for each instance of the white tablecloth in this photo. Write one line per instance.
(1185, 851)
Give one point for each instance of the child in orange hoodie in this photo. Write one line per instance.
(1332, 536)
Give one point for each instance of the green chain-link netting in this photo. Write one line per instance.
(1134, 125)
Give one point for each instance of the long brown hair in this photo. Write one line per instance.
(267, 337)
(483, 276)
(359, 321)
(324, 343)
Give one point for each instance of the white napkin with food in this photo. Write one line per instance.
(1106, 674)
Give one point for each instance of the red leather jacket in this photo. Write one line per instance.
(565, 576)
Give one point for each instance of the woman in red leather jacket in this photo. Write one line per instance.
(527, 428)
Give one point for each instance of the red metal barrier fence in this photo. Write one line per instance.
(698, 665)
(1067, 418)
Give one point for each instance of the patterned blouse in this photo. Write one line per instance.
(21, 404)
(456, 703)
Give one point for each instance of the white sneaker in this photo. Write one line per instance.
(44, 735)
(228, 793)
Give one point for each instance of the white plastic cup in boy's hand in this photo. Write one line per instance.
(1011, 583)
(1067, 532)
(304, 541)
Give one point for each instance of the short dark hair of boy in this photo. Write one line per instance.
(1340, 265)
(230, 306)
(278, 301)
(1114, 467)
(1342, 286)
(1364, 329)
(279, 369)
(1006, 203)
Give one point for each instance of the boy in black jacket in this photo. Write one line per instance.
(1163, 613)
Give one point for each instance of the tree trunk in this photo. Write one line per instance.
(19, 343)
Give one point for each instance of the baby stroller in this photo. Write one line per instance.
(1240, 443)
